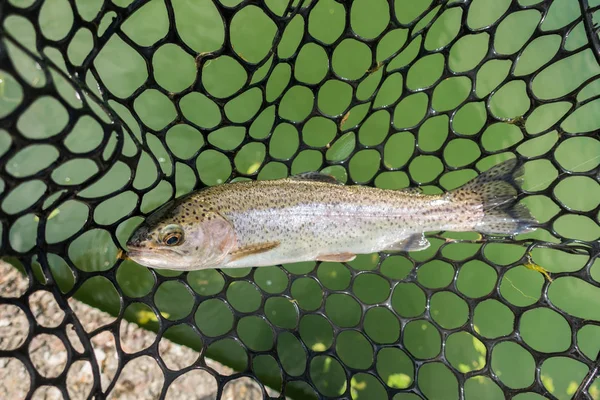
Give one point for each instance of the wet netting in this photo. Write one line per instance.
(108, 109)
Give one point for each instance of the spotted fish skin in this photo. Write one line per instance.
(310, 217)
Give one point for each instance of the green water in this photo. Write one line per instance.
(183, 150)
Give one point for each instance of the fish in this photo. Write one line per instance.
(314, 217)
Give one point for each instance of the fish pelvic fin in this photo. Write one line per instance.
(497, 191)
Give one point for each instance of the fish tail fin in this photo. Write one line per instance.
(497, 191)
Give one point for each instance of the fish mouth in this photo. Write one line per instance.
(150, 257)
(122, 255)
(132, 253)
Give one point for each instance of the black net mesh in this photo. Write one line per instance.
(110, 108)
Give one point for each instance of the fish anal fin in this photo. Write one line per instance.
(252, 249)
(340, 257)
(316, 176)
(416, 242)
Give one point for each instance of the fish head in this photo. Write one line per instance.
(182, 235)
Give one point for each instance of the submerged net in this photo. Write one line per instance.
(108, 109)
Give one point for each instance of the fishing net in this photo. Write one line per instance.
(108, 109)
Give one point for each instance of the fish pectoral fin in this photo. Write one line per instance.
(252, 249)
(415, 242)
(341, 257)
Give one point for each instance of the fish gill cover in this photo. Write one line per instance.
(109, 109)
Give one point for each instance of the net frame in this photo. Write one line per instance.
(75, 77)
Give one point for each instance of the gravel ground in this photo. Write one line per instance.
(140, 379)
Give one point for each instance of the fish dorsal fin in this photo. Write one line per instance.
(412, 190)
(317, 177)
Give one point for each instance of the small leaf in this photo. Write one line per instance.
(572, 388)
(318, 347)
(548, 383)
(399, 381)
(464, 368)
(53, 214)
(145, 316)
(327, 365)
(358, 386)
(479, 346)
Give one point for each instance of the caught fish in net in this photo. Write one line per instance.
(110, 109)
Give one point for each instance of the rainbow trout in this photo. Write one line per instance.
(312, 217)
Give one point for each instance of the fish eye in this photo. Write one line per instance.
(172, 235)
(172, 239)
